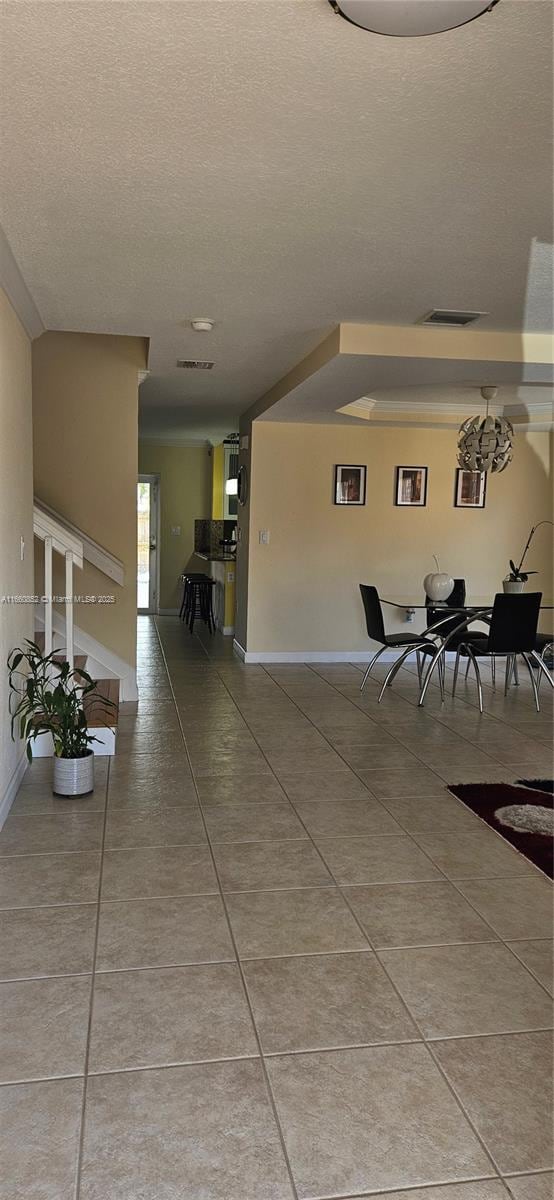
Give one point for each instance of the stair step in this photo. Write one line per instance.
(98, 714)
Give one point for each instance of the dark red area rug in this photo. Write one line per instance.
(486, 799)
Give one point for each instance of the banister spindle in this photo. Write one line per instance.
(48, 595)
(69, 650)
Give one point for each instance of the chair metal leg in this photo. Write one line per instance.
(441, 678)
(394, 669)
(475, 666)
(418, 660)
(456, 669)
(527, 662)
(542, 666)
(516, 676)
(370, 665)
(493, 672)
(509, 672)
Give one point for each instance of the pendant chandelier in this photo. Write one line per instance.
(485, 444)
(411, 18)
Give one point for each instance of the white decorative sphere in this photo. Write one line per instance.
(438, 586)
(485, 444)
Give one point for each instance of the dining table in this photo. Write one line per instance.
(468, 614)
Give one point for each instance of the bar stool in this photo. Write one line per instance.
(197, 600)
(186, 579)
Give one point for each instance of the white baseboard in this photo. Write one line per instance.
(319, 656)
(166, 612)
(114, 666)
(226, 630)
(11, 790)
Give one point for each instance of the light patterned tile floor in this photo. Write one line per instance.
(272, 957)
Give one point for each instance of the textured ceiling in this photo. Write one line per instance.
(265, 163)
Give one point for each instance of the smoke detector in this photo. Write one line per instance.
(202, 324)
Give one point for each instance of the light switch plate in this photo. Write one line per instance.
(176, 530)
(264, 537)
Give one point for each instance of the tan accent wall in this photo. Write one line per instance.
(85, 434)
(243, 537)
(218, 474)
(16, 512)
(185, 496)
(302, 588)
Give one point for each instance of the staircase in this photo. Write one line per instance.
(60, 537)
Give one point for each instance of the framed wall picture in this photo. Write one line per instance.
(411, 486)
(471, 489)
(350, 483)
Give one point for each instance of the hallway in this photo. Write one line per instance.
(271, 957)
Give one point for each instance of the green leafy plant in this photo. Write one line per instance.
(48, 697)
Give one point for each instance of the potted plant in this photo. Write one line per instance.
(516, 580)
(47, 696)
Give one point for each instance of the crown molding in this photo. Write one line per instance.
(439, 407)
(396, 422)
(19, 296)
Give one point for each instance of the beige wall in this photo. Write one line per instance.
(185, 496)
(303, 586)
(16, 513)
(85, 433)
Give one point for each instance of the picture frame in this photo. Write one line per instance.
(350, 484)
(470, 489)
(411, 487)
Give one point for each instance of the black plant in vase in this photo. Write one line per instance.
(516, 574)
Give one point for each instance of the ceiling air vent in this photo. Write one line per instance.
(450, 317)
(195, 364)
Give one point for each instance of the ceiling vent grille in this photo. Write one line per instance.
(195, 364)
(450, 317)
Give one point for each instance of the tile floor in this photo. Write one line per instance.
(272, 958)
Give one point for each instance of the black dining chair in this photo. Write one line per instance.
(512, 631)
(375, 625)
(544, 645)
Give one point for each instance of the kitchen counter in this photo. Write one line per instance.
(216, 557)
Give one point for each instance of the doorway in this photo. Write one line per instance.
(148, 491)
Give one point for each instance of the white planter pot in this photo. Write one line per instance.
(513, 586)
(74, 776)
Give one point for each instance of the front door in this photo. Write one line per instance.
(148, 488)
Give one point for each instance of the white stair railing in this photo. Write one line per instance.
(58, 539)
(92, 551)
